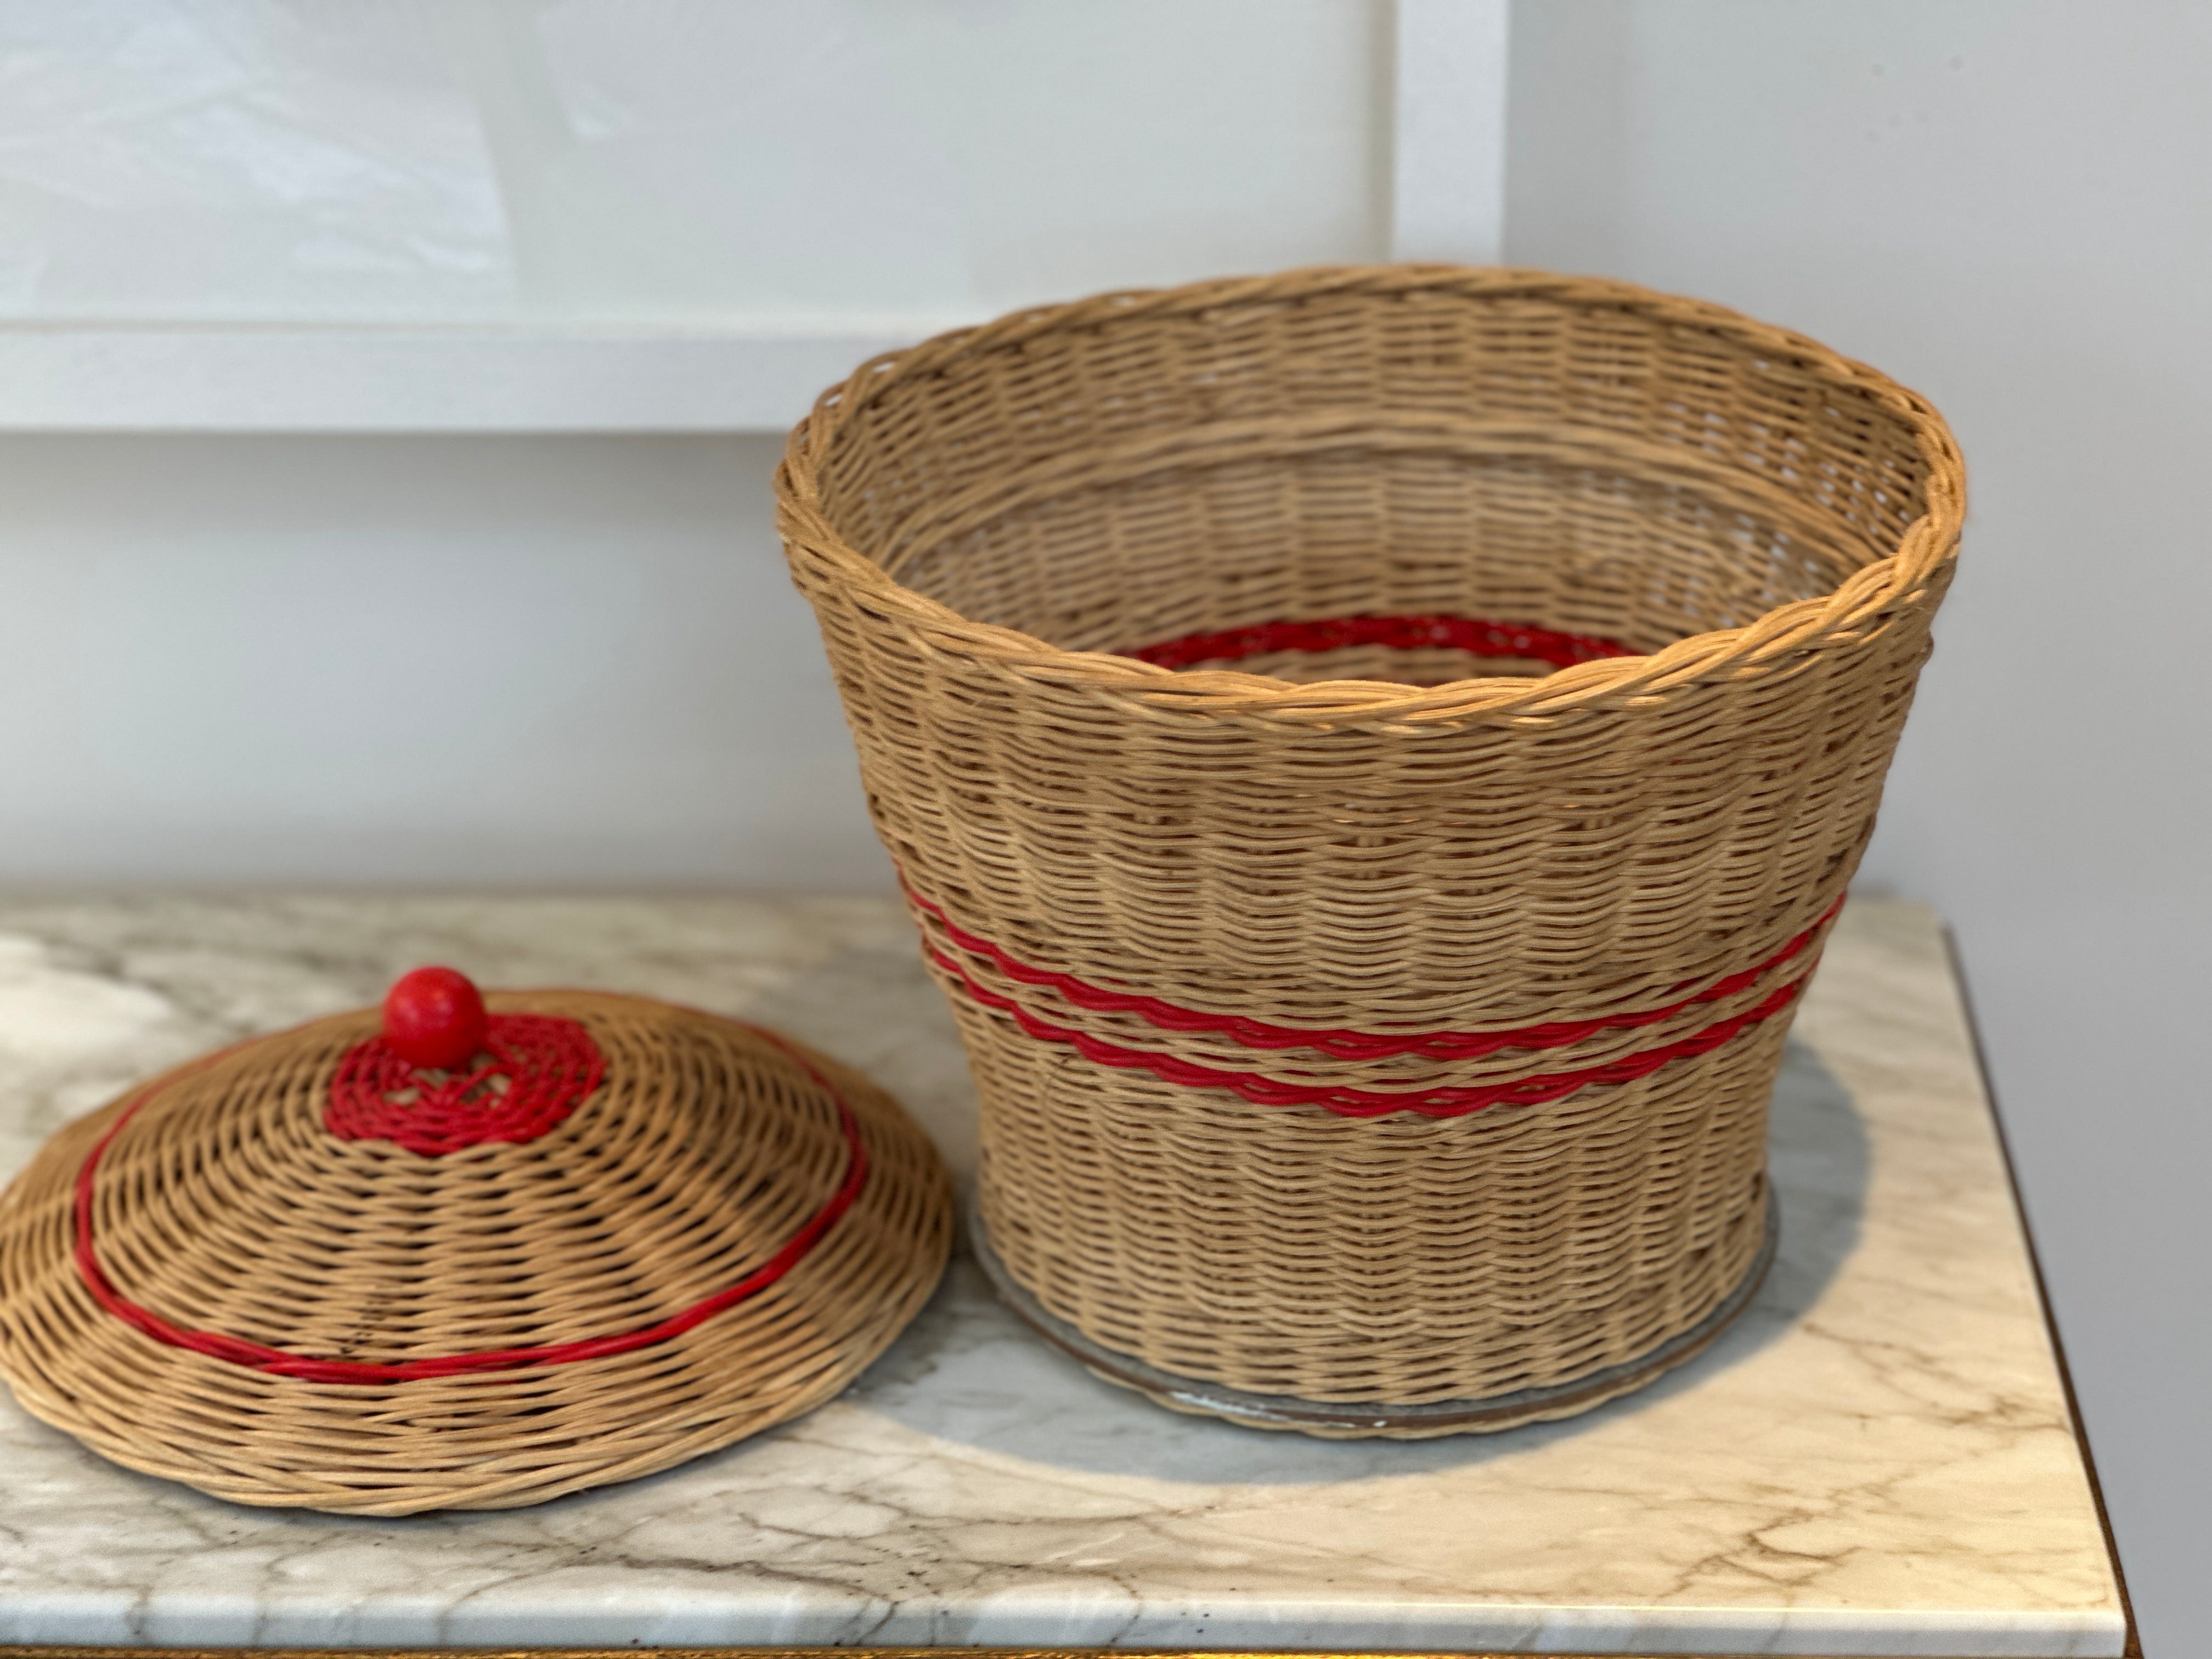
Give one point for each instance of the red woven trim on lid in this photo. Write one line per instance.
(1345, 1044)
(1477, 635)
(1451, 1101)
(235, 1351)
(550, 1067)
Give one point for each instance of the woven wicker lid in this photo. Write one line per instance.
(302, 1272)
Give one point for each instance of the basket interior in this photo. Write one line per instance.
(1605, 472)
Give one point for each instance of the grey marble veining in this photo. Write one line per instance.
(1875, 1459)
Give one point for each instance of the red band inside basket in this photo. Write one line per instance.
(1475, 635)
(237, 1352)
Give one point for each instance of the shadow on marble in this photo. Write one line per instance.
(969, 1372)
(878, 1010)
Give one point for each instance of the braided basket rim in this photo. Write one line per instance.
(1740, 655)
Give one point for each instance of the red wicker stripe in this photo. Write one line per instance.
(1349, 1044)
(550, 1067)
(1443, 1102)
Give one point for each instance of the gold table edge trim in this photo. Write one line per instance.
(14, 1651)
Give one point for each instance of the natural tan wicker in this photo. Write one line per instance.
(1176, 911)
(227, 1206)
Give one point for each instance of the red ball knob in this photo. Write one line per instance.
(434, 1016)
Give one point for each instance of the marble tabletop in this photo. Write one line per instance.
(1876, 1459)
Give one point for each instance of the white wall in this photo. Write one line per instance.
(2004, 203)
(648, 214)
(440, 660)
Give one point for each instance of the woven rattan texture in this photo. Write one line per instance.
(1367, 840)
(1401, 1260)
(225, 1205)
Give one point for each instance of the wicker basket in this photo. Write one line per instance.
(301, 1274)
(1373, 754)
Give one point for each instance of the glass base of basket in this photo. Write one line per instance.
(1334, 1421)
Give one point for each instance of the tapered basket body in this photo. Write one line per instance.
(1373, 755)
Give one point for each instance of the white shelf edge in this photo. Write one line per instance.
(160, 377)
(1448, 118)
